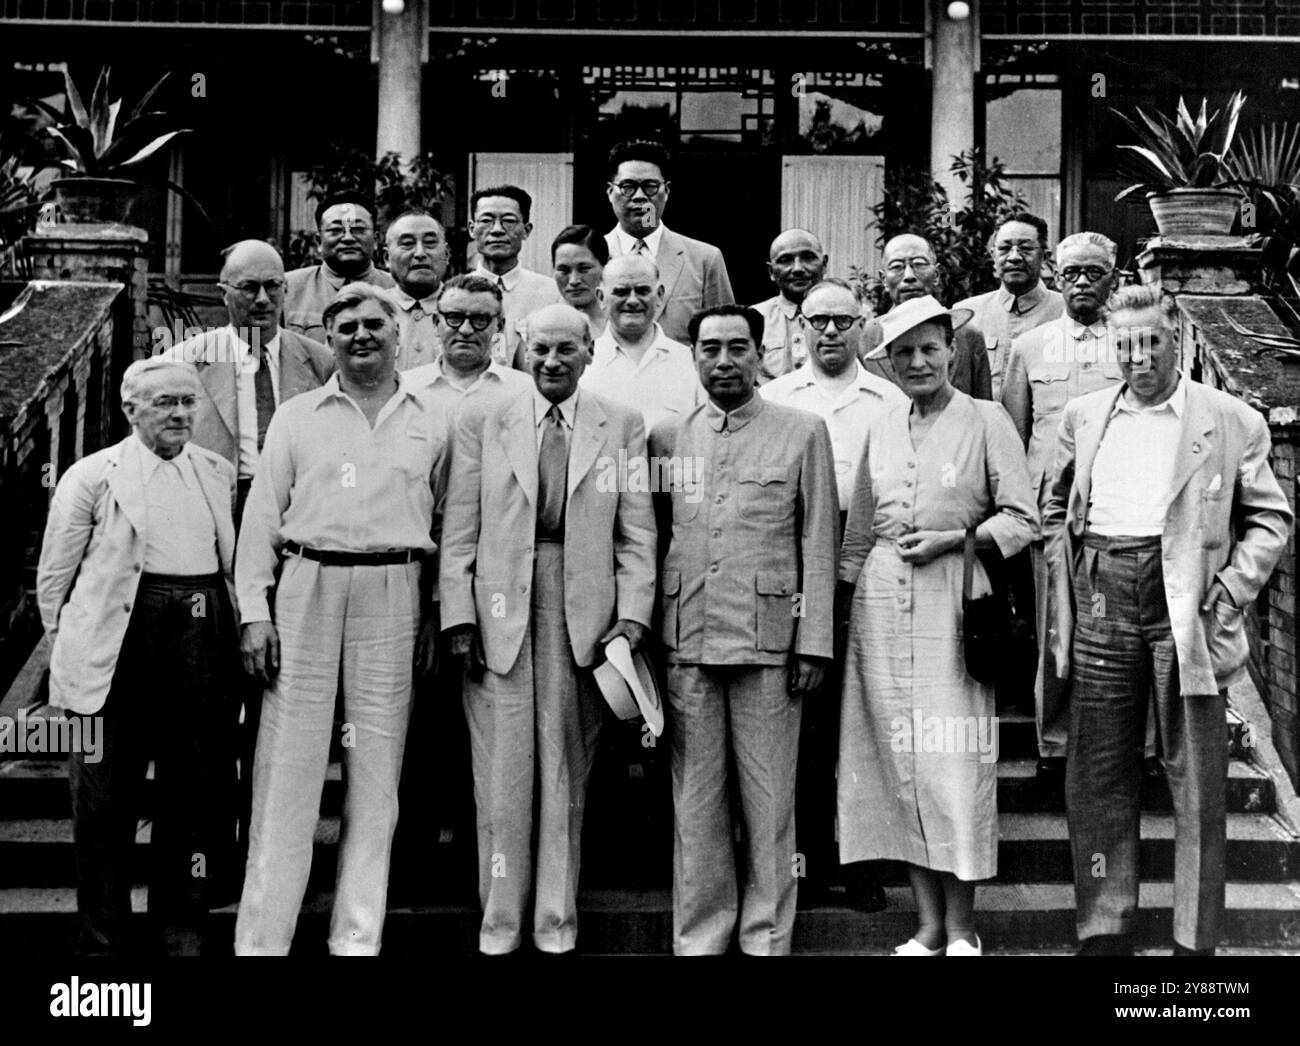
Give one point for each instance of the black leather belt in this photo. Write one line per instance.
(354, 559)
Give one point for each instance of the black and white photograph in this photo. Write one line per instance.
(650, 478)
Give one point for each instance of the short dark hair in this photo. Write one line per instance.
(511, 192)
(351, 196)
(471, 283)
(639, 149)
(351, 295)
(751, 317)
(1025, 218)
(582, 236)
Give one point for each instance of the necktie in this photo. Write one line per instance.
(501, 283)
(264, 393)
(640, 248)
(552, 475)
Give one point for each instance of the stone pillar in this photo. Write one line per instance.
(953, 47)
(99, 254)
(402, 43)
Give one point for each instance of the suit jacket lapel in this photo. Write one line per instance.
(1088, 442)
(1194, 442)
(294, 365)
(218, 378)
(126, 481)
(518, 437)
(588, 438)
(217, 494)
(671, 261)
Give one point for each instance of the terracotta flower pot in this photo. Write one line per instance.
(96, 200)
(1194, 212)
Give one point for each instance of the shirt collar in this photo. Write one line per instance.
(1079, 332)
(789, 309)
(272, 346)
(436, 374)
(337, 280)
(406, 302)
(863, 381)
(150, 460)
(510, 279)
(1176, 403)
(1008, 302)
(736, 419)
(628, 242)
(334, 390)
(568, 407)
(606, 347)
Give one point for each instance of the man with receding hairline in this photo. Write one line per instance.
(796, 261)
(634, 362)
(542, 565)
(417, 259)
(252, 365)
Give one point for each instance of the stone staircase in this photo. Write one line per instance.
(625, 903)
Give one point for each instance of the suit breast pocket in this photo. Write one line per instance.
(765, 495)
(1050, 389)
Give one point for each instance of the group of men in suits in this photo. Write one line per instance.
(419, 498)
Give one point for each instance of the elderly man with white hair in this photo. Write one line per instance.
(1048, 367)
(342, 515)
(134, 591)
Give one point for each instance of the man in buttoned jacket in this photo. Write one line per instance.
(747, 599)
(146, 648)
(1158, 540)
(1048, 367)
(539, 570)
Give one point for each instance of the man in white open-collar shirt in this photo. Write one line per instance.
(843, 393)
(634, 362)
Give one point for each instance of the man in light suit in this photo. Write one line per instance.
(693, 272)
(252, 365)
(134, 591)
(543, 562)
(1163, 525)
(748, 593)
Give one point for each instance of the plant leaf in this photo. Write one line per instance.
(148, 96)
(152, 148)
(75, 105)
(1152, 159)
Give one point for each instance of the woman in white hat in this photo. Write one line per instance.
(918, 736)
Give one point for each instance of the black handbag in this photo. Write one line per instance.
(998, 635)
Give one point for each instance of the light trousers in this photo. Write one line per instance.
(533, 735)
(747, 711)
(357, 626)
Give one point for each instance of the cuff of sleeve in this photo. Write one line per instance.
(1231, 580)
(255, 614)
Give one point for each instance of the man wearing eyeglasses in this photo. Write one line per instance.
(1049, 367)
(796, 261)
(252, 365)
(348, 238)
(909, 270)
(417, 259)
(134, 588)
(500, 221)
(839, 389)
(694, 273)
(1021, 303)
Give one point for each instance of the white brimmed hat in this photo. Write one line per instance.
(912, 313)
(628, 685)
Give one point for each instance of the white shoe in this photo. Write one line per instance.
(915, 947)
(961, 947)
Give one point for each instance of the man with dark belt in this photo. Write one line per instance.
(1164, 523)
(133, 587)
(345, 504)
(546, 558)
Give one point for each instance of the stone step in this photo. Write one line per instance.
(1034, 848)
(1012, 919)
(39, 788)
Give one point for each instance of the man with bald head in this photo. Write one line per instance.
(909, 269)
(252, 365)
(417, 260)
(531, 476)
(796, 262)
(634, 362)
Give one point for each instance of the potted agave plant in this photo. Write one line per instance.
(102, 151)
(1184, 169)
